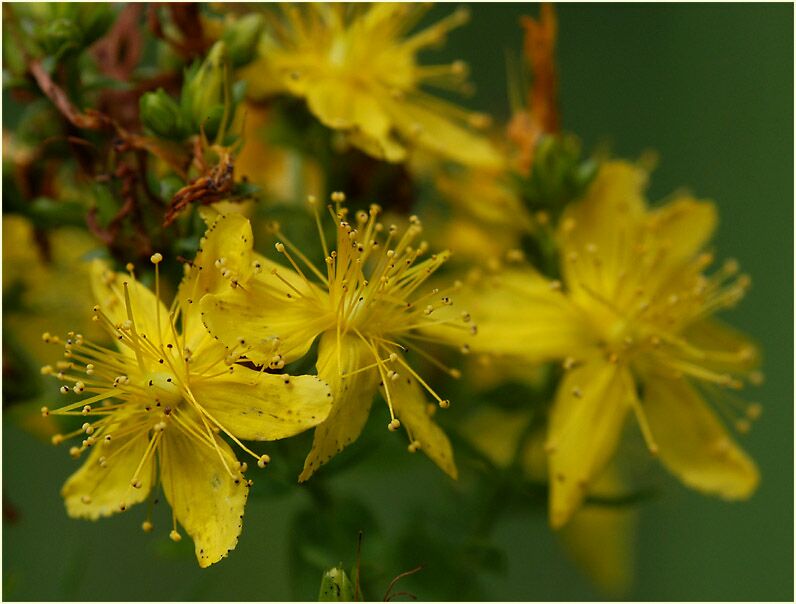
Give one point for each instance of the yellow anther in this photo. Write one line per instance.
(280, 247)
(147, 526)
(57, 439)
(175, 536)
(85, 499)
(394, 425)
(263, 461)
(136, 484)
(130, 267)
(444, 404)
(156, 258)
(413, 446)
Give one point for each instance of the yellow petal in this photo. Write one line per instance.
(109, 292)
(585, 426)
(723, 348)
(339, 106)
(254, 405)
(598, 233)
(519, 314)
(431, 129)
(226, 246)
(693, 444)
(601, 538)
(410, 405)
(352, 397)
(94, 491)
(683, 226)
(263, 312)
(207, 501)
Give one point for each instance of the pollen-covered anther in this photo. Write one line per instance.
(86, 409)
(86, 499)
(79, 387)
(257, 267)
(444, 404)
(337, 196)
(147, 526)
(175, 536)
(135, 483)
(393, 375)
(394, 424)
(47, 370)
(263, 461)
(156, 258)
(87, 428)
(64, 389)
(413, 446)
(75, 452)
(108, 438)
(243, 467)
(455, 373)
(754, 410)
(569, 363)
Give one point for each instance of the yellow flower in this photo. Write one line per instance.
(631, 321)
(367, 310)
(155, 409)
(355, 64)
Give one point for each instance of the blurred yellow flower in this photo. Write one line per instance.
(366, 311)
(45, 269)
(631, 321)
(155, 408)
(355, 64)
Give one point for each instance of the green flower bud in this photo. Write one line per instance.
(206, 88)
(242, 37)
(336, 586)
(161, 115)
(60, 36)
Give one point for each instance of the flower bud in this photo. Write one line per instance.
(336, 586)
(242, 37)
(161, 115)
(206, 94)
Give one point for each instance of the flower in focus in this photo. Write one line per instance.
(156, 407)
(367, 309)
(355, 64)
(632, 322)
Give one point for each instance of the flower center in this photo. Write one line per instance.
(163, 388)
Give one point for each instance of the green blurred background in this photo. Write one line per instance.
(710, 88)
